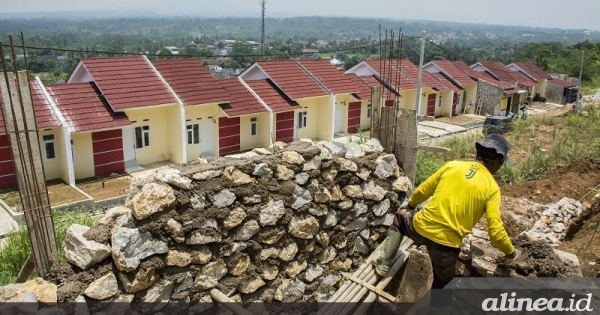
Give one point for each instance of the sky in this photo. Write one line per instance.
(578, 14)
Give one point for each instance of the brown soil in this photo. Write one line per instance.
(106, 188)
(538, 259)
(580, 240)
(58, 192)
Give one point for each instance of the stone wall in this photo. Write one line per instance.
(491, 95)
(279, 225)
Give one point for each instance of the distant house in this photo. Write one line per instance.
(466, 87)
(561, 91)
(535, 73)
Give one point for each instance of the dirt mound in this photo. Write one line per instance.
(538, 259)
(580, 238)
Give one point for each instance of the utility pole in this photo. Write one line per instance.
(262, 41)
(419, 88)
(579, 104)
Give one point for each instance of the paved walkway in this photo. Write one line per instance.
(7, 223)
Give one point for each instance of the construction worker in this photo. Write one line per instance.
(462, 192)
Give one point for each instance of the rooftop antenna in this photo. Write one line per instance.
(262, 41)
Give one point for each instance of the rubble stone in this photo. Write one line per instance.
(223, 198)
(283, 173)
(251, 285)
(263, 170)
(173, 177)
(175, 230)
(294, 268)
(82, 252)
(210, 275)
(206, 175)
(373, 191)
(272, 213)
(290, 291)
(292, 157)
(199, 237)
(381, 208)
(289, 252)
(301, 197)
(130, 246)
(152, 198)
(303, 227)
(235, 177)
(247, 231)
(103, 288)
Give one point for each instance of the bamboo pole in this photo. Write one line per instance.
(230, 304)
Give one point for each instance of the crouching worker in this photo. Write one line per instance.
(462, 192)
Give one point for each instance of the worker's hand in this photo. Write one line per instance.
(509, 259)
(406, 206)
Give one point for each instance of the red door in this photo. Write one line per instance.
(108, 152)
(229, 135)
(284, 127)
(389, 103)
(454, 103)
(7, 169)
(354, 116)
(431, 104)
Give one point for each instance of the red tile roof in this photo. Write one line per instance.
(45, 117)
(128, 82)
(506, 75)
(455, 73)
(192, 83)
(269, 93)
(243, 102)
(412, 72)
(391, 75)
(480, 75)
(386, 92)
(333, 80)
(451, 86)
(533, 70)
(564, 83)
(84, 108)
(292, 79)
(364, 93)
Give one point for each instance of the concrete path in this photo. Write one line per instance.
(443, 126)
(7, 223)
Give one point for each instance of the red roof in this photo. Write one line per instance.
(269, 93)
(391, 74)
(461, 65)
(449, 84)
(386, 92)
(128, 82)
(44, 114)
(533, 70)
(412, 72)
(333, 80)
(564, 83)
(192, 83)
(84, 108)
(292, 79)
(364, 92)
(243, 102)
(505, 74)
(455, 73)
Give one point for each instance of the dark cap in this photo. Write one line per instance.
(497, 142)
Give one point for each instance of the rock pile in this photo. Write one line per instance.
(279, 226)
(552, 223)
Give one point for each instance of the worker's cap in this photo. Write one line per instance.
(497, 142)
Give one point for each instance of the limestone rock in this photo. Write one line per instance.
(198, 202)
(272, 213)
(365, 234)
(289, 252)
(272, 238)
(313, 272)
(323, 238)
(373, 191)
(327, 255)
(116, 216)
(240, 264)
(247, 231)
(200, 237)
(103, 288)
(345, 205)
(152, 198)
(175, 230)
(203, 223)
(235, 177)
(267, 253)
(318, 212)
(402, 184)
(279, 145)
(323, 196)
(301, 178)
(173, 177)
(206, 175)
(325, 153)
(269, 272)
(141, 279)
(345, 165)
(363, 174)
(290, 290)
(283, 173)
(294, 268)
(386, 166)
(336, 194)
(234, 218)
(209, 276)
(353, 191)
(158, 296)
(130, 246)
(331, 219)
(82, 252)
(301, 197)
(223, 198)
(303, 227)
(375, 144)
(178, 258)
(312, 164)
(385, 220)
(337, 149)
(292, 157)
(251, 200)
(261, 151)
(360, 246)
(381, 208)
(186, 283)
(251, 285)
(353, 150)
(360, 208)
(43, 290)
(357, 224)
(201, 256)
(329, 174)
(263, 170)
(338, 265)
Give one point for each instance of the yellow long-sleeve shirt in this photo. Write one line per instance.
(461, 193)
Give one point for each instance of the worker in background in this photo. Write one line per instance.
(461, 193)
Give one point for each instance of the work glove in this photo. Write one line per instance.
(512, 257)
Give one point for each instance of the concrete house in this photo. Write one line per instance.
(467, 92)
(561, 92)
(366, 109)
(132, 85)
(535, 73)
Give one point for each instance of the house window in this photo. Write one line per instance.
(193, 134)
(369, 111)
(253, 126)
(72, 152)
(458, 98)
(142, 137)
(302, 119)
(49, 146)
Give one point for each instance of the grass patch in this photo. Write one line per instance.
(18, 247)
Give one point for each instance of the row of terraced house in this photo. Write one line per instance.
(115, 114)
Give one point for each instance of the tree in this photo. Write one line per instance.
(241, 55)
(165, 53)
